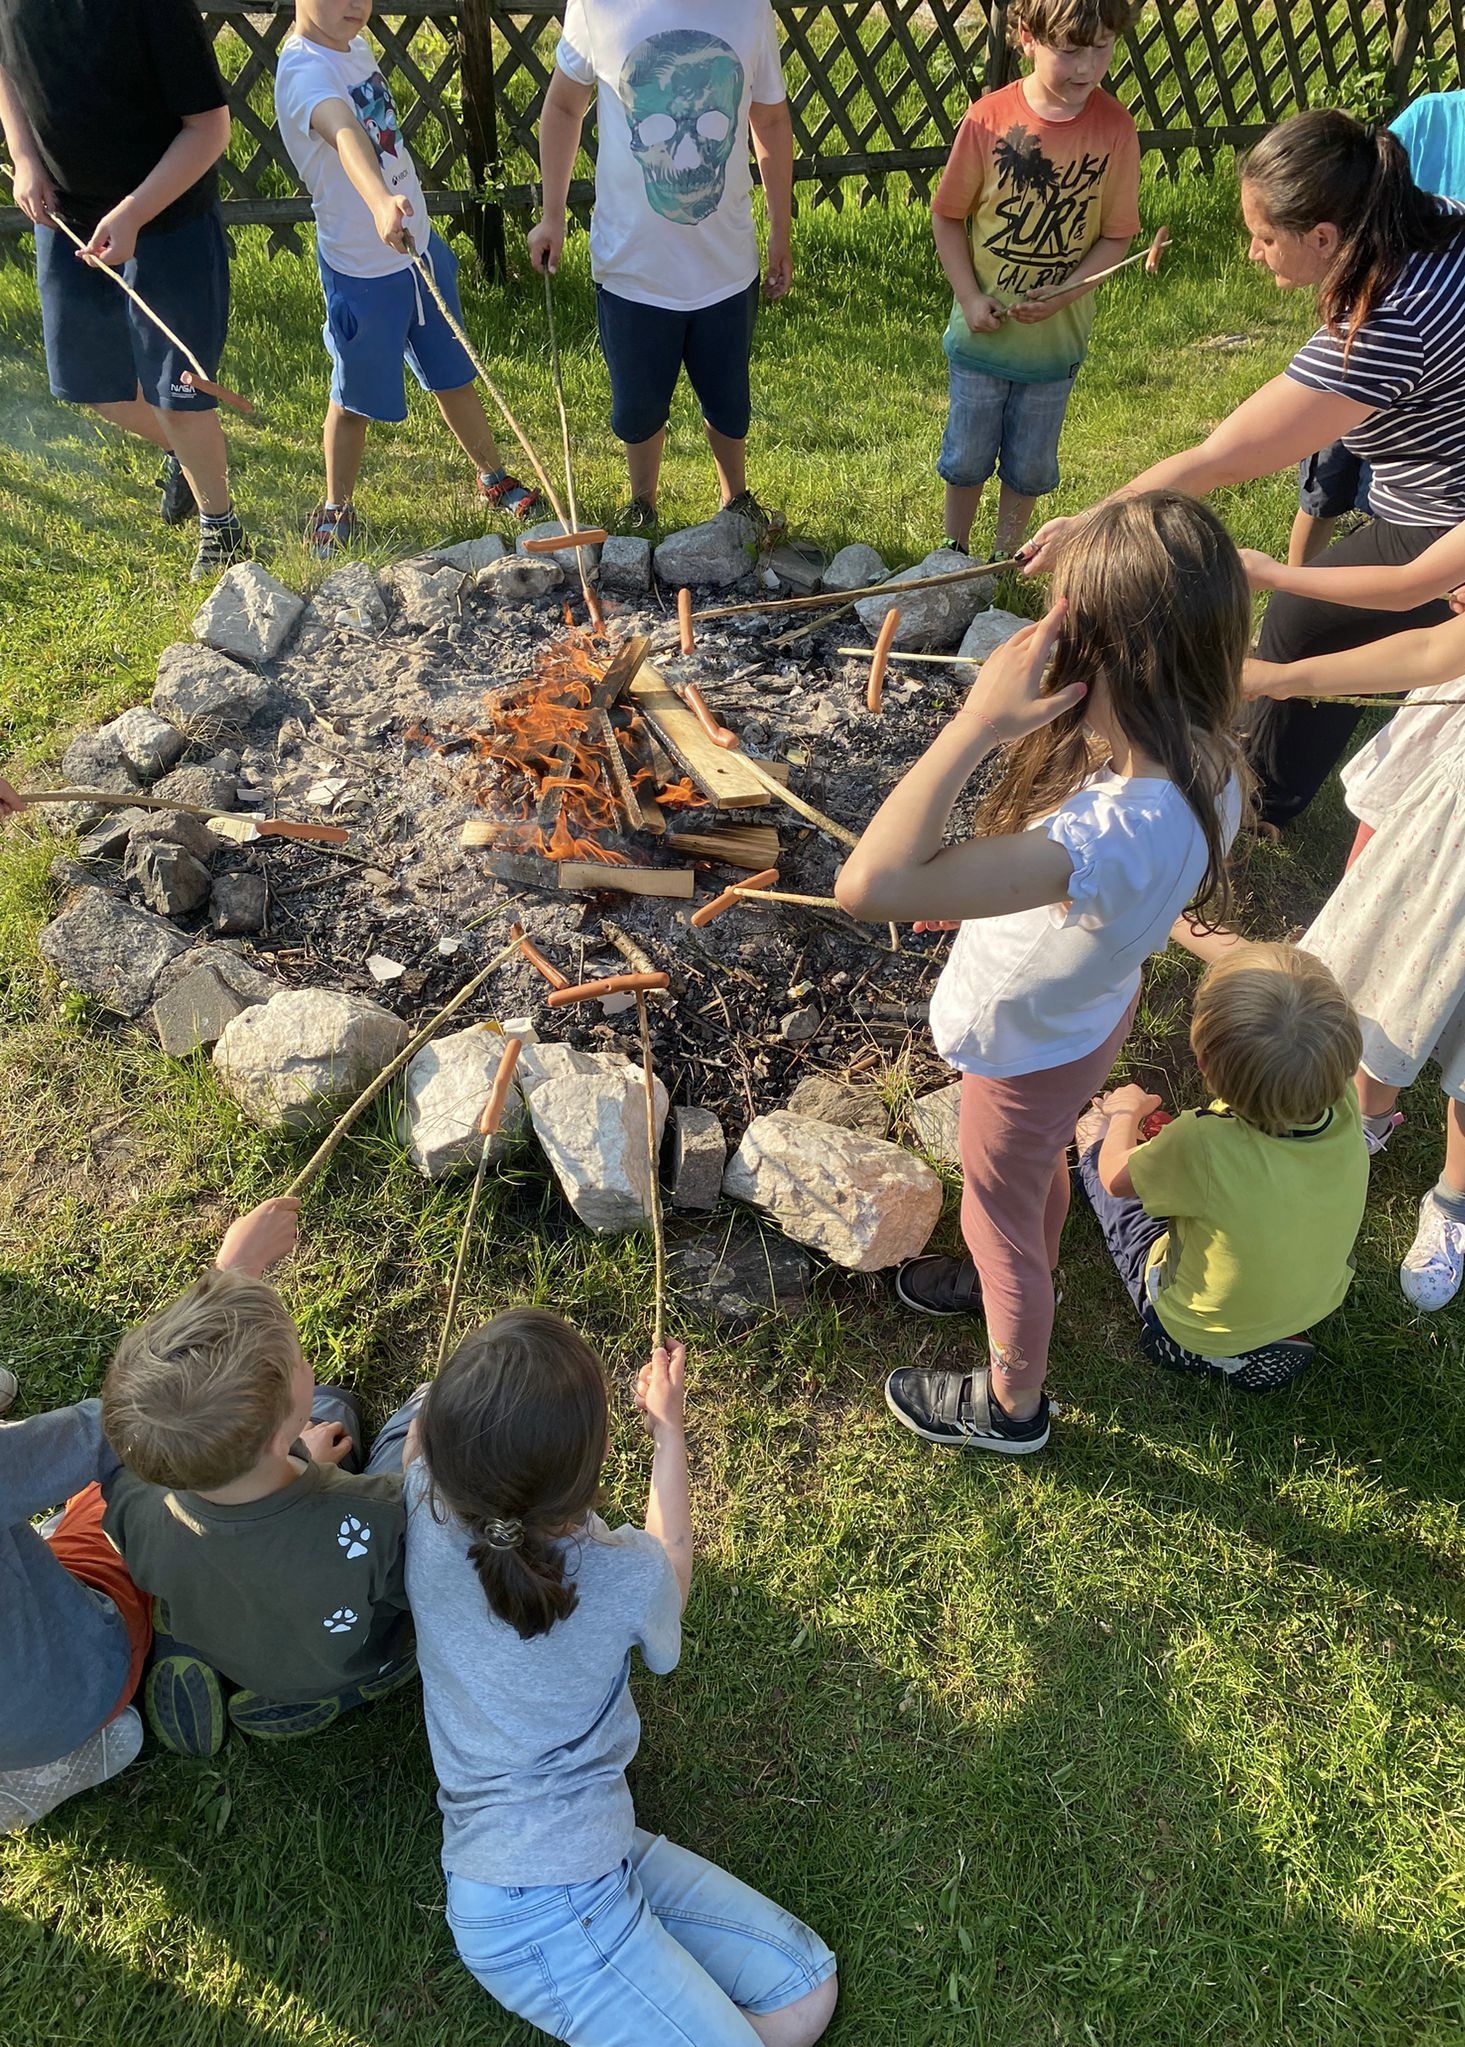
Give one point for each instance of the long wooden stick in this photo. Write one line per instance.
(263, 827)
(653, 1161)
(775, 788)
(1150, 257)
(488, 1124)
(592, 600)
(890, 588)
(321, 1156)
(955, 660)
(778, 895)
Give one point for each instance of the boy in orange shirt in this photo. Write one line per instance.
(1041, 189)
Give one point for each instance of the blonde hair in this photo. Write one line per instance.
(1071, 24)
(194, 1394)
(1275, 1036)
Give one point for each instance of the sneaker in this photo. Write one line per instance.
(332, 529)
(1434, 1264)
(950, 546)
(184, 1702)
(221, 542)
(9, 1388)
(768, 525)
(28, 1795)
(958, 1411)
(639, 516)
(177, 502)
(1377, 1140)
(505, 493)
(939, 1286)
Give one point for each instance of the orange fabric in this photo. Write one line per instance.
(1364, 834)
(81, 1545)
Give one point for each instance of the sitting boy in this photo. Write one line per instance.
(339, 122)
(1233, 1227)
(277, 1569)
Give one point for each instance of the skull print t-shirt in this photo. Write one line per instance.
(673, 219)
(308, 75)
(1038, 194)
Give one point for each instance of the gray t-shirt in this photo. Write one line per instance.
(531, 1740)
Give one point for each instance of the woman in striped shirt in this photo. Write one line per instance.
(1331, 205)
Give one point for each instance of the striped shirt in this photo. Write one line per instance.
(1407, 362)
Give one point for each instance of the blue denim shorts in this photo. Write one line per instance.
(375, 324)
(1012, 428)
(646, 349)
(1332, 482)
(665, 1949)
(100, 350)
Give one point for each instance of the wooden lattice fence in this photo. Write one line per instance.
(875, 91)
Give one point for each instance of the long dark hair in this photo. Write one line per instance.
(513, 1434)
(1324, 165)
(1159, 613)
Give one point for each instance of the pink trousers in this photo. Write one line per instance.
(1015, 1135)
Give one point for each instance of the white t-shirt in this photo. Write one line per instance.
(1039, 988)
(309, 73)
(673, 218)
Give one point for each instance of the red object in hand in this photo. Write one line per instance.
(1153, 1124)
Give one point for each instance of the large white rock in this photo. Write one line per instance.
(204, 693)
(289, 1059)
(348, 599)
(988, 631)
(519, 579)
(110, 951)
(625, 563)
(592, 1127)
(447, 1085)
(718, 552)
(149, 744)
(470, 555)
(427, 591)
(855, 566)
(249, 614)
(936, 1120)
(928, 618)
(863, 1203)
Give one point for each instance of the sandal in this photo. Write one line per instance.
(505, 493)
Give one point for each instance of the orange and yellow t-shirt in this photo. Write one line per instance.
(1037, 194)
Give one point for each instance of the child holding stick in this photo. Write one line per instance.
(1116, 808)
(528, 1608)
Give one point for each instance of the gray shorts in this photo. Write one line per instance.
(997, 424)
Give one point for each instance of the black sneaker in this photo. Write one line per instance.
(940, 1286)
(177, 502)
(220, 543)
(639, 516)
(769, 526)
(950, 546)
(958, 1411)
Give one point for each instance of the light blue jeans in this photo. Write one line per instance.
(665, 1951)
(1010, 427)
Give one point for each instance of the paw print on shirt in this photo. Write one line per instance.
(341, 1622)
(354, 1536)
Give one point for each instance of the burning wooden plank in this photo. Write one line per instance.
(630, 881)
(643, 813)
(752, 846)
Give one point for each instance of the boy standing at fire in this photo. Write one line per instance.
(1041, 189)
(673, 249)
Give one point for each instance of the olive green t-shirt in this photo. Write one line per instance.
(1260, 1244)
(294, 1596)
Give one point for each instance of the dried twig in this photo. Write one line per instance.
(842, 598)
(488, 1124)
(653, 1150)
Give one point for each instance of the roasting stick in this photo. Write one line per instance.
(488, 1125)
(196, 374)
(1150, 257)
(574, 537)
(321, 1156)
(842, 598)
(260, 827)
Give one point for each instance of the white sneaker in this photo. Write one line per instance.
(1434, 1264)
(9, 1387)
(28, 1795)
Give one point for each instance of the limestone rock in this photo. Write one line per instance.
(836, 1101)
(799, 1025)
(539, 1063)
(470, 556)
(518, 579)
(237, 905)
(249, 613)
(196, 1009)
(349, 599)
(699, 1153)
(68, 875)
(863, 1203)
(549, 529)
(853, 567)
(233, 969)
(592, 1127)
(625, 563)
(289, 1059)
(936, 1120)
(928, 618)
(205, 694)
(174, 828)
(107, 839)
(426, 592)
(447, 1085)
(108, 949)
(712, 555)
(741, 1274)
(799, 564)
(166, 877)
(148, 744)
(210, 784)
(988, 631)
(94, 760)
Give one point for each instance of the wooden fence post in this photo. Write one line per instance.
(999, 47)
(481, 127)
(1413, 16)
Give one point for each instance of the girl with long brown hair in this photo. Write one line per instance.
(1121, 792)
(528, 1608)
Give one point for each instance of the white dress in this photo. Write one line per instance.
(1393, 931)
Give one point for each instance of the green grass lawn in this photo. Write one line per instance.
(1156, 1742)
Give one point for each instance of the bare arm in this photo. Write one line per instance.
(982, 314)
(1126, 1109)
(561, 120)
(659, 1396)
(196, 148)
(1414, 660)
(35, 195)
(336, 123)
(771, 126)
(1435, 573)
(1202, 943)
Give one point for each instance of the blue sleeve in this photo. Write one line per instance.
(46, 1459)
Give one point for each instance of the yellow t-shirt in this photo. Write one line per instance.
(1261, 1228)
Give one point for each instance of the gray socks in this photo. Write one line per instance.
(1450, 1199)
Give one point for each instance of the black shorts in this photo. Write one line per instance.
(647, 347)
(1333, 482)
(100, 348)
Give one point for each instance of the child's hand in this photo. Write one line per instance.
(1457, 600)
(33, 192)
(1042, 309)
(1005, 694)
(659, 1392)
(391, 213)
(1261, 570)
(327, 1442)
(114, 238)
(11, 803)
(263, 1237)
(936, 924)
(779, 273)
(546, 242)
(1128, 1101)
(983, 315)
